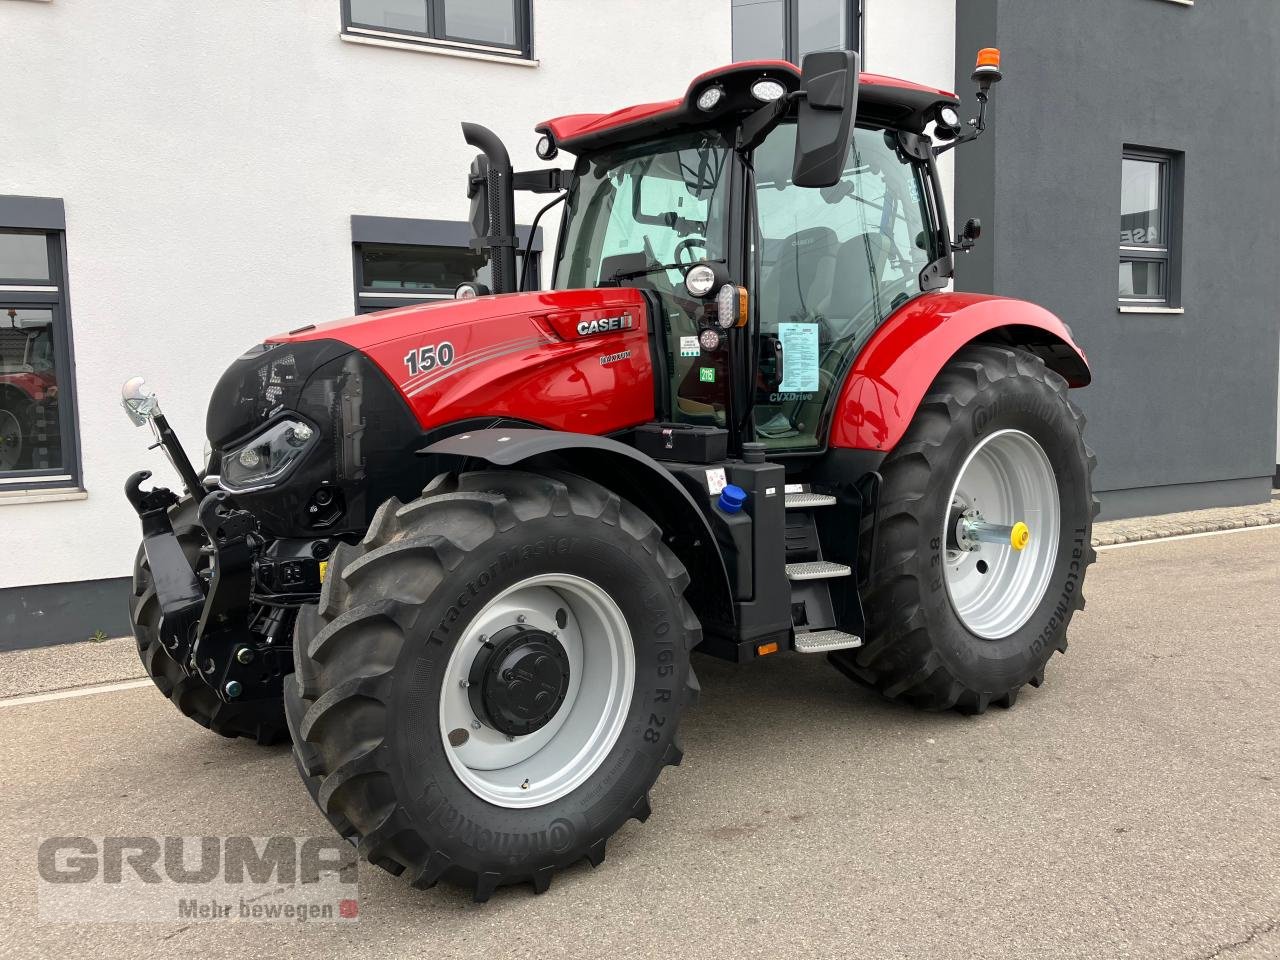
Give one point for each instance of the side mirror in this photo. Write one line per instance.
(824, 121)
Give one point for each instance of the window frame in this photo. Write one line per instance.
(855, 35)
(407, 232)
(1168, 252)
(435, 36)
(45, 216)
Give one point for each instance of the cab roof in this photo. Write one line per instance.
(898, 103)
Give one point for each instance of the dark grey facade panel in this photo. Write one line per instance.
(1179, 400)
(428, 233)
(32, 213)
(1177, 497)
(52, 613)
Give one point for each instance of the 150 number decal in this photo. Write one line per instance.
(429, 357)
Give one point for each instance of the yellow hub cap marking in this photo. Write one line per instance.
(1020, 536)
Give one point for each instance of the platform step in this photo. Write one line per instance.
(816, 570)
(824, 641)
(804, 501)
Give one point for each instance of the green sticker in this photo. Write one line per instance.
(707, 374)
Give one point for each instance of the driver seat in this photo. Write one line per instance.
(800, 280)
(859, 265)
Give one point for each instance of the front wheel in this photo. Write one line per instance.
(493, 679)
(986, 515)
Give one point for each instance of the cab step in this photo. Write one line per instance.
(824, 641)
(816, 570)
(805, 501)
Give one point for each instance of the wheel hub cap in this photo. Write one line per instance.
(519, 680)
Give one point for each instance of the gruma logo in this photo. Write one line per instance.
(167, 879)
(624, 321)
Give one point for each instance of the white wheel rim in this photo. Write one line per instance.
(535, 769)
(995, 589)
(10, 440)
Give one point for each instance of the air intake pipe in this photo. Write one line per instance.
(493, 206)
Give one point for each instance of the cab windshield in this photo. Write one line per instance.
(639, 217)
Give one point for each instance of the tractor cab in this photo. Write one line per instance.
(773, 218)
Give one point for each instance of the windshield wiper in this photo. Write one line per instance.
(658, 268)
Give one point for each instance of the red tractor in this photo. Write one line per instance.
(460, 553)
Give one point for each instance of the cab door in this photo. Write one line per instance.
(832, 264)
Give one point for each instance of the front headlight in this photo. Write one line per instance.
(268, 456)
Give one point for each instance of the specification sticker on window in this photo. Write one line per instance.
(689, 347)
(799, 357)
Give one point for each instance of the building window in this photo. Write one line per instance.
(788, 29)
(37, 419)
(399, 262)
(493, 26)
(1150, 222)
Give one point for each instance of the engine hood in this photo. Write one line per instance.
(562, 359)
(373, 329)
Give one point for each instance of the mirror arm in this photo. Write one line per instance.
(757, 125)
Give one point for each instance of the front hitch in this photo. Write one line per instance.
(231, 658)
(205, 624)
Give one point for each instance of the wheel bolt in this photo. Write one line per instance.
(521, 618)
(464, 684)
(475, 724)
(232, 688)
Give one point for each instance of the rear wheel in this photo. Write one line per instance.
(14, 453)
(259, 720)
(986, 514)
(493, 679)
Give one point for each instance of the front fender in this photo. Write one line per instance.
(894, 370)
(627, 472)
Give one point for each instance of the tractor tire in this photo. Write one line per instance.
(490, 584)
(995, 438)
(15, 431)
(259, 720)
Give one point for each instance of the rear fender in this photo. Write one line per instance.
(895, 369)
(627, 472)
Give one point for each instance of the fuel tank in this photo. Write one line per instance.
(575, 360)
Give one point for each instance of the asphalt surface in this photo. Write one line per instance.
(1128, 808)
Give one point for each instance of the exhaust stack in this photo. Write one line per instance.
(493, 206)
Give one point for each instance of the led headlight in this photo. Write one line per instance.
(267, 456)
(768, 90)
(709, 339)
(949, 116)
(709, 97)
(731, 306)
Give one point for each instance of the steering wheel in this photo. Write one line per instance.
(688, 243)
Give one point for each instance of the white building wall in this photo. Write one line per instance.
(211, 155)
(916, 40)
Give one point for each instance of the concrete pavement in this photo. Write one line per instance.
(1129, 808)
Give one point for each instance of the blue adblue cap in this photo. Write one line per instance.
(732, 498)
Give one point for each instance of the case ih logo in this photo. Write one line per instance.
(623, 321)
